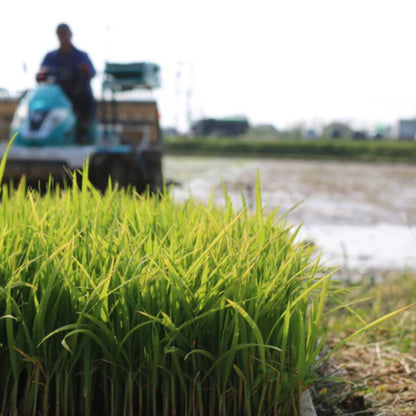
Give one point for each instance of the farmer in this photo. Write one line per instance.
(72, 70)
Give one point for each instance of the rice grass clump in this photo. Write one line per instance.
(120, 304)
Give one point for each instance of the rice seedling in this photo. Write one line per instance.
(120, 304)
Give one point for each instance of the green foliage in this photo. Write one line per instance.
(393, 291)
(337, 130)
(339, 149)
(127, 304)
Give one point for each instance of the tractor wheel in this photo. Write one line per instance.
(118, 174)
(105, 166)
(155, 176)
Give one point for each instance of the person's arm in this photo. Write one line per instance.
(46, 68)
(46, 60)
(87, 67)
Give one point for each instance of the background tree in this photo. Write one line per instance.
(337, 130)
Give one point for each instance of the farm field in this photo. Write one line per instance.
(363, 218)
(195, 266)
(362, 215)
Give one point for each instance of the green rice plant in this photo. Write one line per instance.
(120, 304)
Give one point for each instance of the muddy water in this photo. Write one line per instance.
(362, 215)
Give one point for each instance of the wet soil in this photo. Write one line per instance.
(362, 215)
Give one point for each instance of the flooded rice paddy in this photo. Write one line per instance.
(362, 215)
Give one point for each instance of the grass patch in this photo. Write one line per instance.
(339, 149)
(384, 294)
(378, 368)
(126, 304)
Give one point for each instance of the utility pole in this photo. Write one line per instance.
(189, 93)
(178, 93)
(107, 42)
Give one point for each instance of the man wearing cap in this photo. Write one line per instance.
(73, 70)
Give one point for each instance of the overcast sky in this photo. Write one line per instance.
(275, 61)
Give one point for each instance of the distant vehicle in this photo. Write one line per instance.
(221, 127)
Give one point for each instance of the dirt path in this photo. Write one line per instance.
(362, 215)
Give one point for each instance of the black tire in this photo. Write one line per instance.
(143, 173)
(154, 171)
(105, 166)
(118, 173)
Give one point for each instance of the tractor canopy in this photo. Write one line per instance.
(128, 76)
